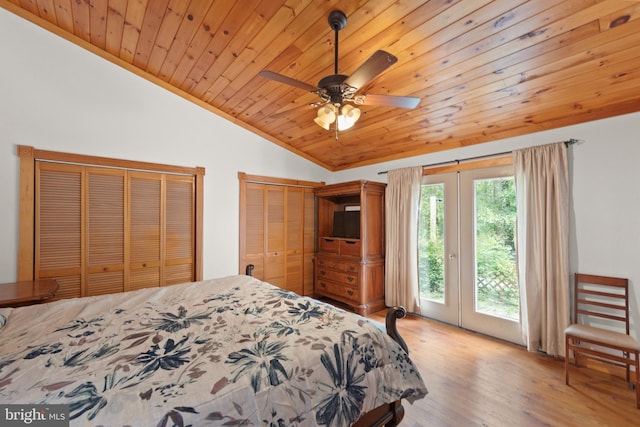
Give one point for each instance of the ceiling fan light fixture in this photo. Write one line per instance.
(349, 115)
(326, 116)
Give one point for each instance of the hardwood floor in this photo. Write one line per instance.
(474, 380)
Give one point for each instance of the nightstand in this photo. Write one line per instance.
(28, 292)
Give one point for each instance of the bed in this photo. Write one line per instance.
(227, 351)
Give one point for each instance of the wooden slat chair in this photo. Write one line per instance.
(604, 298)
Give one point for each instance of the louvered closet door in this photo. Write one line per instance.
(145, 198)
(309, 244)
(105, 231)
(278, 234)
(179, 229)
(59, 226)
(274, 270)
(102, 230)
(295, 239)
(254, 244)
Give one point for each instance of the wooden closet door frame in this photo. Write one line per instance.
(26, 226)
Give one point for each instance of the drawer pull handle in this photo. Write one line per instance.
(350, 292)
(350, 242)
(324, 285)
(323, 272)
(328, 240)
(350, 278)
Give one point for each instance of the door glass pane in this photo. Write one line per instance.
(431, 243)
(496, 286)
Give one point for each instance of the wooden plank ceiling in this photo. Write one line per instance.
(484, 70)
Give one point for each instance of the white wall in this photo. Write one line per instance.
(56, 96)
(605, 193)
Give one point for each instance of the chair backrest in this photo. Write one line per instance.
(602, 297)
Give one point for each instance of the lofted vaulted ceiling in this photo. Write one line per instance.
(483, 70)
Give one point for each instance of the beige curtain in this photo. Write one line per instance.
(542, 181)
(402, 199)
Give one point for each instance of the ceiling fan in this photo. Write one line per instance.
(336, 89)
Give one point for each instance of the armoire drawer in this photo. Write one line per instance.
(339, 246)
(338, 290)
(350, 247)
(329, 245)
(341, 265)
(338, 276)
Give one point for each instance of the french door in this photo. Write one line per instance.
(467, 264)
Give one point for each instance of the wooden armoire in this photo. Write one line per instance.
(350, 270)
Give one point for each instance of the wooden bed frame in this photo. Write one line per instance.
(392, 413)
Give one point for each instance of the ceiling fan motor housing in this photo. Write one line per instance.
(333, 87)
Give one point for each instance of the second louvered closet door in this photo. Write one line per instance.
(179, 229)
(105, 230)
(145, 197)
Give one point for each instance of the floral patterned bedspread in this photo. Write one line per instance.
(229, 351)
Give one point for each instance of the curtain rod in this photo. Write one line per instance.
(567, 143)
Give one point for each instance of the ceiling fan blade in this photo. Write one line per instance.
(391, 101)
(377, 63)
(286, 80)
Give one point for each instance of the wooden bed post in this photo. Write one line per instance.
(249, 269)
(393, 314)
